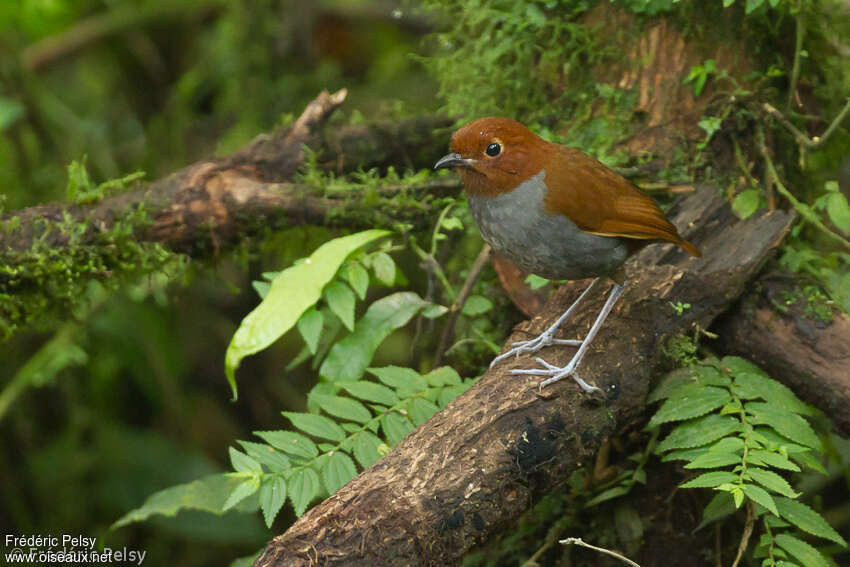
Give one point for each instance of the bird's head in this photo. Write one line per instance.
(494, 155)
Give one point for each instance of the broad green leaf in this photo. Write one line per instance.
(10, 111)
(696, 403)
(350, 356)
(207, 494)
(753, 5)
(400, 378)
(369, 391)
(365, 447)
(443, 376)
(728, 445)
(358, 278)
(310, 326)
(765, 457)
(316, 425)
(802, 551)
(292, 292)
(838, 211)
(384, 267)
(714, 459)
(303, 486)
(710, 480)
(449, 393)
(343, 408)
(746, 203)
(262, 288)
(272, 497)
(476, 305)
(771, 480)
(786, 423)
(605, 495)
(396, 427)
(421, 410)
(266, 455)
(341, 301)
(749, 385)
(760, 496)
(721, 506)
(290, 443)
(699, 432)
(241, 492)
(678, 382)
(243, 463)
(338, 470)
(807, 520)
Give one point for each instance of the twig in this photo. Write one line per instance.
(578, 541)
(457, 305)
(810, 143)
(804, 210)
(748, 531)
(798, 48)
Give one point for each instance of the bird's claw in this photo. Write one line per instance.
(555, 374)
(533, 345)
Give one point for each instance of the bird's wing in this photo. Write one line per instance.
(602, 202)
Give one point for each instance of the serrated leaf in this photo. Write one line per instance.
(710, 480)
(310, 325)
(838, 211)
(396, 427)
(272, 497)
(449, 393)
(802, 551)
(786, 423)
(400, 378)
(365, 448)
(358, 279)
(370, 392)
(303, 486)
(421, 410)
(696, 403)
(243, 463)
(316, 425)
(290, 443)
(808, 460)
(476, 305)
(266, 455)
(350, 356)
(807, 520)
(292, 292)
(341, 302)
(699, 432)
(338, 470)
(714, 459)
(443, 376)
(749, 385)
(609, 494)
(765, 457)
(721, 506)
(771, 480)
(384, 267)
(343, 408)
(760, 496)
(242, 491)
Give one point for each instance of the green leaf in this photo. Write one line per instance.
(476, 305)
(400, 378)
(370, 392)
(343, 408)
(316, 425)
(807, 520)
(749, 385)
(310, 326)
(443, 376)
(341, 300)
(680, 381)
(714, 459)
(771, 480)
(838, 211)
(262, 288)
(266, 455)
(746, 203)
(358, 278)
(721, 506)
(421, 410)
(303, 486)
(384, 267)
(753, 5)
(696, 403)
(338, 470)
(365, 448)
(350, 356)
(611, 493)
(241, 492)
(710, 480)
(802, 551)
(10, 112)
(788, 424)
(396, 427)
(760, 496)
(765, 457)
(535, 282)
(699, 432)
(272, 497)
(292, 292)
(290, 442)
(207, 494)
(243, 463)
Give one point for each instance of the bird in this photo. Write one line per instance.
(556, 212)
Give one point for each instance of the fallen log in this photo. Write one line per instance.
(474, 467)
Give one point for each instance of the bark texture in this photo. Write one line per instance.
(476, 466)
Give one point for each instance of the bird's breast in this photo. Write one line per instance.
(549, 245)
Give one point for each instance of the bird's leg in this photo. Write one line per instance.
(555, 373)
(548, 336)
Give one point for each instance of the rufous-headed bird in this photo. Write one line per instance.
(556, 212)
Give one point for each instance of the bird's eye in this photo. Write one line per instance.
(493, 149)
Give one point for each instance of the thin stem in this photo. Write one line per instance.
(748, 532)
(578, 541)
(798, 48)
(810, 143)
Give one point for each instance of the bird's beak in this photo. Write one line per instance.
(452, 160)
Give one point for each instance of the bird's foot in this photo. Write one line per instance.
(556, 373)
(547, 338)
